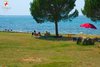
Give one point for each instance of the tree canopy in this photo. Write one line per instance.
(53, 11)
(92, 9)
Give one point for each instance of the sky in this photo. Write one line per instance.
(21, 7)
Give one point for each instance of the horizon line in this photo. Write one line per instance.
(23, 15)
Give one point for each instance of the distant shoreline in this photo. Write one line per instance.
(51, 33)
(15, 32)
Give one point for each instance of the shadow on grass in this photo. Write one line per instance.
(54, 38)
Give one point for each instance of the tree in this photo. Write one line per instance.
(92, 9)
(53, 11)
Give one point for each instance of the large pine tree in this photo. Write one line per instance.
(92, 9)
(53, 11)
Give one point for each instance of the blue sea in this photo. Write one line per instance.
(28, 24)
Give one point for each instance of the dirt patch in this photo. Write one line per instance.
(33, 59)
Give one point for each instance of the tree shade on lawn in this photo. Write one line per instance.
(92, 9)
(53, 11)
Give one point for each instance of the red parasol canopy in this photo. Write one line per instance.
(88, 25)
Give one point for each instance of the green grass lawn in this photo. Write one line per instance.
(23, 50)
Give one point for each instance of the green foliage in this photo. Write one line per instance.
(53, 10)
(92, 9)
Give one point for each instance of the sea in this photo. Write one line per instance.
(25, 23)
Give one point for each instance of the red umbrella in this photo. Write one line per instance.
(88, 25)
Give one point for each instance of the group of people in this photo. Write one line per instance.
(38, 34)
(8, 30)
(86, 41)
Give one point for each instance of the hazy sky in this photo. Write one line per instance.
(21, 7)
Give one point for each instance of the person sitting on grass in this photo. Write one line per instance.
(34, 33)
(47, 33)
(79, 40)
(37, 35)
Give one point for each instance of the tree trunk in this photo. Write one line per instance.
(56, 29)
